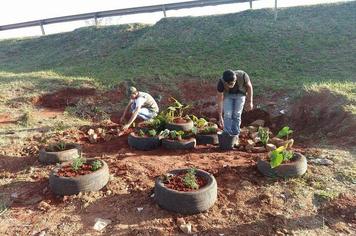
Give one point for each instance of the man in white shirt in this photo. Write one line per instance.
(141, 105)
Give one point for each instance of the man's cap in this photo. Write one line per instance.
(131, 90)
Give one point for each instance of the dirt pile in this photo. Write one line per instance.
(322, 115)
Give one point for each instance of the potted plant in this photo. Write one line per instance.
(144, 139)
(172, 139)
(282, 137)
(59, 152)
(206, 132)
(80, 175)
(283, 163)
(186, 191)
(175, 117)
(146, 136)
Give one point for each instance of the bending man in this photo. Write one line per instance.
(233, 88)
(141, 105)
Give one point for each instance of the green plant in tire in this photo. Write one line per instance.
(77, 163)
(263, 134)
(96, 165)
(190, 180)
(141, 133)
(175, 110)
(61, 146)
(199, 122)
(152, 133)
(278, 156)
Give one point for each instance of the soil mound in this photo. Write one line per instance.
(322, 115)
(64, 97)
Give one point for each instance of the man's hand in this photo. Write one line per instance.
(249, 106)
(125, 127)
(221, 122)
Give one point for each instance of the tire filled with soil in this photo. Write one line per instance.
(144, 143)
(297, 166)
(180, 124)
(52, 155)
(179, 144)
(175, 196)
(64, 181)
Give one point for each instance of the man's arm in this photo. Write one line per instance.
(249, 101)
(133, 118)
(125, 111)
(220, 101)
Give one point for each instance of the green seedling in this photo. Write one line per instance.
(96, 165)
(190, 180)
(263, 134)
(77, 163)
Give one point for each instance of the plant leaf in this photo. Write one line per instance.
(276, 159)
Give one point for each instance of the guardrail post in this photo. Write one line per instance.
(96, 20)
(250, 4)
(164, 11)
(42, 29)
(275, 10)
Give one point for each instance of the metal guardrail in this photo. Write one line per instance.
(120, 12)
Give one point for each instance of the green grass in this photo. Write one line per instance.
(307, 47)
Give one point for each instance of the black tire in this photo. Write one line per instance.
(143, 143)
(297, 167)
(59, 157)
(84, 183)
(182, 144)
(180, 126)
(203, 139)
(187, 202)
(227, 141)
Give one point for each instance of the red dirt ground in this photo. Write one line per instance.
(243, 208)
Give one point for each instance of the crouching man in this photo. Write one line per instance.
(141, 105)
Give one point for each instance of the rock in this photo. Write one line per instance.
(93, 138)
(258, 149)
(241, 148)
(180, 221)
(91, 132)
(250, 144)
(186, 228)
(257, 139)
(99, 130)
(277, 141)
(321, 161)
(252, 129)
(244, 132)
(42, 233)
(258, 123)
(107, 137)
(139, 209)
(100, 224)
(270, 147)
(254, 135)
(43, 206)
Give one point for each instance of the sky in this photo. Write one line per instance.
(15, 11)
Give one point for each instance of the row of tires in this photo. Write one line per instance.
(149, 143)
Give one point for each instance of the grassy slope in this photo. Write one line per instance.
(306, 46)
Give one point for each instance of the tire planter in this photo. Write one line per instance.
(227, 141)
(143, 143)
(180, 126)
(48, 157)
(83, 183)
(187, 202)
(203, 139)
(182, 144)
(297, 167)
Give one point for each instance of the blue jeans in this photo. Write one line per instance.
(233, 106)
(144, 113)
